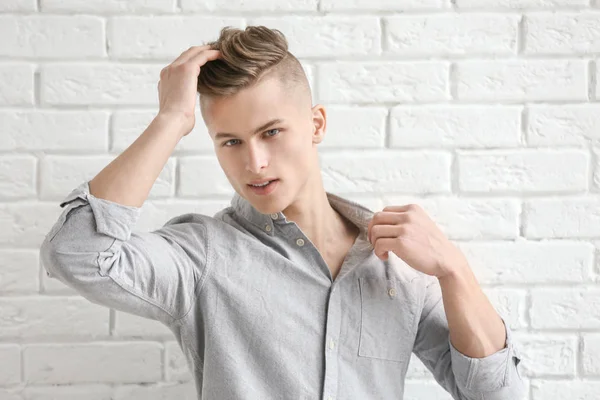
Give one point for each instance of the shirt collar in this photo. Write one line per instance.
(358, 214)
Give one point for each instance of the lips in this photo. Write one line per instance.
(266, 189)
(262, 181)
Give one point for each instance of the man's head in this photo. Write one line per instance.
(257, 81)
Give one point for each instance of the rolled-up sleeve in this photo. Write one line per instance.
(93, 249)
(494, 377)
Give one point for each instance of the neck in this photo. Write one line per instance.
(315, 216)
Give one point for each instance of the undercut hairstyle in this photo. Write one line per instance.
(247, 56)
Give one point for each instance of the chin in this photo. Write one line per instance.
(267, 205)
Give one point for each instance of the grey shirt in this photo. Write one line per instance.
(255, 310)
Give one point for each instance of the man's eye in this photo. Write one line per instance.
(229, 141)
(271, 130)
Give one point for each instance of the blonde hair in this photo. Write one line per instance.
(246, 57)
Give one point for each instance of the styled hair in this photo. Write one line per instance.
(246, 57)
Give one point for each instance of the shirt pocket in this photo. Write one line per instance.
(389, 318)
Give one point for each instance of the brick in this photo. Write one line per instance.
(107, 6)
(68, 392)
(568, 308)
(547, 354)
(25, 224)
(92, 362)
(242, 5)
(451, 34)
(390, 172)
(567, 124)
(17, 177)
(521, 80)
(378, 5)
(591, 354)
(162, 36)
(455, 126)
(61, 174)
(562, 218)
(530, 262)
(127, 126)
(354, 127)
(18, 6)
(177, 365)
(10, 369)
(93, 84)
(161, 391)
(17, 84)
(575, 389)
(562, 33)
(550, 4)
(44, 316)
(596, 171)
(467, 218)
(597, 91)
(11, 394)
(54, 130)
(19, 271)
(596, 271)
(190, 167)
(51, 36)
(528, 171)
(129, 325)
(328, 36)
(370, 82)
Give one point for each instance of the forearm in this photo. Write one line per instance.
(476, 329)
(128, 179)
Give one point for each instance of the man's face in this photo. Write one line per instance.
(254, 150)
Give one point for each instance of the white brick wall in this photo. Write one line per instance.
(486, 112)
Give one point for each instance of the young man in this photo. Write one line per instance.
(292, 292)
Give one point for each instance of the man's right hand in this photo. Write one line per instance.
(178, 83)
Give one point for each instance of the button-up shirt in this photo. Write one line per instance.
(255, 309)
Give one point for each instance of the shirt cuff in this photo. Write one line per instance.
(112, 219)
(485, 374)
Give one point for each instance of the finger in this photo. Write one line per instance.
(190, 53)
(402, 208)
(374, 220)
(388, 218)
(204, 57)
(385, 231)
(369, 227)
(383, 246)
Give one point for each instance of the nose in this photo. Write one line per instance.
(256, 158)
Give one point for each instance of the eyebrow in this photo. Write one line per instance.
(261, 128)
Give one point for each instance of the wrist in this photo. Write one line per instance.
(174, 122)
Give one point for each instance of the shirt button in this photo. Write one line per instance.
(268, 228)
(274, 216)
(300, 242)
(331, 344)
(392, 292)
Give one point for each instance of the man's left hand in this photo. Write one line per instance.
(409, 233)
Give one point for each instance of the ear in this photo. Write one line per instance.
(319, 120)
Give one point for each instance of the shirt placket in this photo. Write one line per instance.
(333, 315)
(332, 334)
